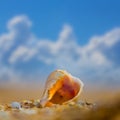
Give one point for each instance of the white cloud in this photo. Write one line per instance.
(6, 41)
(18, 33)
(90, 61)
(23, 53)
(18, 23)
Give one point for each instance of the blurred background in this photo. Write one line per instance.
(37, 37)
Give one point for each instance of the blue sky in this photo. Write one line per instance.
(87, 17)
(82, 37)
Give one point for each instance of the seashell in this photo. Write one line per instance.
(61, 88)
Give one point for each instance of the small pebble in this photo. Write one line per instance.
(82, 103)
(37, 104)
(16, 105)
(27, 104)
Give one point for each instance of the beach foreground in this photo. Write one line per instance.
(93, 105)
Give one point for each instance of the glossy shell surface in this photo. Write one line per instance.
(61, 88)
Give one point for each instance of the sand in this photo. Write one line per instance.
(102, 104)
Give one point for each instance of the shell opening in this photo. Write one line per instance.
(67, 90)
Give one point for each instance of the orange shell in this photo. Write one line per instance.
(60, 88)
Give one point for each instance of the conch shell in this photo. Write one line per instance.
(60, 88)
